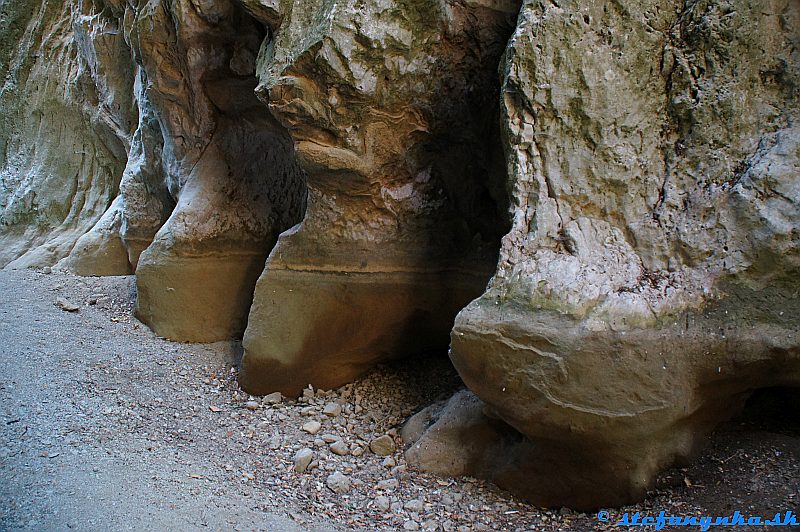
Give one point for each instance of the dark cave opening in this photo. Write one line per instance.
(771, 409)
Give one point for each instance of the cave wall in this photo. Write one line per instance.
(625, 176)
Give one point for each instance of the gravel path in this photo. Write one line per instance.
(104, 426)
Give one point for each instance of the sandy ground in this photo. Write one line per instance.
(104, 426)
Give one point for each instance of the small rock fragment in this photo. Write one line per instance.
(302, 459)
(330, 438)
(251, 405)
(339, 447)
(338, 483)
(65, 305)
(410, 525)
(382, 446)
(332, 409)
(312, 427)
(382, 503)
(414, 505)
(430, 525)
(389, 462)
(273, 399)
(388, 484)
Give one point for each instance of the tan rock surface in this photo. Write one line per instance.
(649, 282)
(66, 117)
(393, 110)
(228, 167)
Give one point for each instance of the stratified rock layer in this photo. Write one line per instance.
(649, 281)
(393, 110)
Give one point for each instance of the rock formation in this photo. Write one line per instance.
(228, 166)
(641, 158)
(66, 118)
(650, 280)
(394, 113)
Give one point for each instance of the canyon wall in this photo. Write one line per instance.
(394, 110)
(66, 119)
(650, 280)
(596, 205)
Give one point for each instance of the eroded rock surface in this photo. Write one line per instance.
(228, 166)
(650, 280)
(393, 110)
(648, 277)
(66, 119)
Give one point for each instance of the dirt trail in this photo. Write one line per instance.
(104, 426)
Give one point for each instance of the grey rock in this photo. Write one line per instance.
(302, 459)
(332, 409)
(382, 503)
(340, 447)
(66, 305)
(388, 484)
(312, 427)
(338, 483)
(414, 505)
(273, 398)
(383, 445)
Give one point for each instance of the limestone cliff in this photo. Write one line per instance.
(649, 281)
(66, 119)
(624, 175)
(394, 112)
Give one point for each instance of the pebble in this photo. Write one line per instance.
(330, 438)
(66, 305)
(332, 409)
(383, 445)
(382, 503)
(388, 484)
(251, 405)
(302, 459)
(339, 447)
(389, 462)
(430, 525)
(338, 483)
(410, 525)
(273, 399)
(312, 427)
(414, 505)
